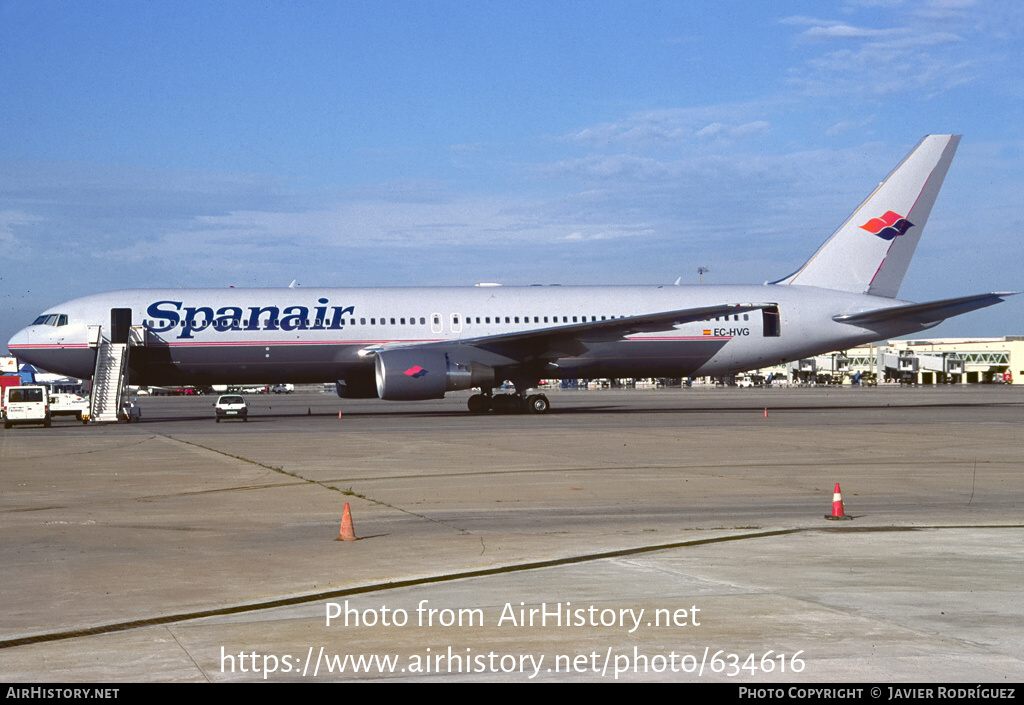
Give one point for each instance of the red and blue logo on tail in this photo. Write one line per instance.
(889, 226)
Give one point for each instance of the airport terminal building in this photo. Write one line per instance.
(935, 361)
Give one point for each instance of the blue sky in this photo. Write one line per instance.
(253, 143)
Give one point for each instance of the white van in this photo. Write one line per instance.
(29, 404)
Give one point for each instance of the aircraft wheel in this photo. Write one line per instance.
(538, 404)
(479, 404)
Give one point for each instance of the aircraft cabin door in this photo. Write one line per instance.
(456, 323)
(120, 324)
(435, 323)
(772, 322)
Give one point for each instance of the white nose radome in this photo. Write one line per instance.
(19, 339)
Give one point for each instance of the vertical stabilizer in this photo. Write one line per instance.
(871, 251)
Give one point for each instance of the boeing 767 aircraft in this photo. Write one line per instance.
(419, 343)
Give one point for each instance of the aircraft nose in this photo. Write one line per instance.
(19, 339)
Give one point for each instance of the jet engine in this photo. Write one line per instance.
(418, 373)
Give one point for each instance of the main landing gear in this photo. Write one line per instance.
(509, 403)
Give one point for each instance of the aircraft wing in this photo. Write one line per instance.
(571, 339)
(927, 313)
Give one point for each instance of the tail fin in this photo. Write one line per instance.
(870, 252)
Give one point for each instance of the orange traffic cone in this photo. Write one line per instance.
(837, 506)
(339, 413)
(766, 412)
(347, 531)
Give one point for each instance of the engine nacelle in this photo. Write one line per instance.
(409, 375)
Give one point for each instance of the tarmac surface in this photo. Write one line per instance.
(645, 535)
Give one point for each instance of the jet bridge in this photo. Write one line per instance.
(908, 365)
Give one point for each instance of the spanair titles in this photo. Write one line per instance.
(185, 321)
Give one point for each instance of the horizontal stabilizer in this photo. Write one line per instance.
(927, 313)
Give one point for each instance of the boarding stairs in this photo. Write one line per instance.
(108, 381)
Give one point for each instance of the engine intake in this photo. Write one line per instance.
(409, 375)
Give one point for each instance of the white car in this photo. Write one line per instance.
(231, 406)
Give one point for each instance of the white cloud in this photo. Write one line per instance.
(662, 129)
(718, 130)
(842, 126)
(653, 128)
(10, 222)
(838, 30)
(916, 55)
(607, 166)
(945, 9)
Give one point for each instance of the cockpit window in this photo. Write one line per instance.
(51, 319)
